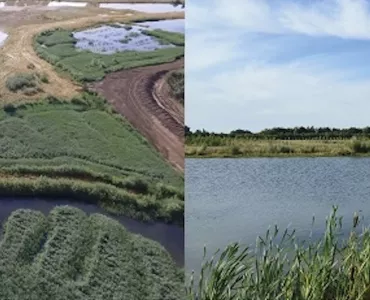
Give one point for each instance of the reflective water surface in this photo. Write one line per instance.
(230, 200)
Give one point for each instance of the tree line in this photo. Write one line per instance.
(294, 133)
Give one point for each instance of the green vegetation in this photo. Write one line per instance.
(69, 255)
(283, 268)
(279, 142)
(80, 149)
(176, 81)
(296, 133)
(174, 38)
(58, 48)
(27, 83)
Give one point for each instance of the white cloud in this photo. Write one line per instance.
(253, 94)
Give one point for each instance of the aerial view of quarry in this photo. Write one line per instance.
(92, 150)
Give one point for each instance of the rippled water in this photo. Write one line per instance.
(144, 7)
(177, 25)
(170, 236)
(108, 40)
(229, 200)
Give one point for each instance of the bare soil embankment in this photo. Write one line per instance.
(143, 98)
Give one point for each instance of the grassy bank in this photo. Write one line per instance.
(175, 80)
(80, 149)
(58, 48)
(236, 147)
(69, 255)
(334, 267)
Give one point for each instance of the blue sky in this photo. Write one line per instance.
(256, 64)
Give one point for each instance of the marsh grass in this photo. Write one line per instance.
(281, 267)
(226, 147)
(71, 255)
(58, 48)
(80, 150)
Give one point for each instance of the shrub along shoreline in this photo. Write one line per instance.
(114, 200)
(239, 148)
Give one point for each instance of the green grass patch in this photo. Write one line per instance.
(174, 38)
(281, 268)
(83, 142)
(58, 48)
(245, 147)
(69, 255)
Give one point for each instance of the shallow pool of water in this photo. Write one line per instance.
(3, 37)
(170, 236)
(66, 3)
(150, 7)
(108, 40)
(177, 25)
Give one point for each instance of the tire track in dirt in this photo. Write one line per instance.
(133, 94)
(17, 52)
(162, 94)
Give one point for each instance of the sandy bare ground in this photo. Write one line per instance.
(18, 53)
(139, 95)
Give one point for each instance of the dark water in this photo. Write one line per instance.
(171, 237)
(230, 200)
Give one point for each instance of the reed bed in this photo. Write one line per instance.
(281, 267)
(82, 151)
(70, 255)
(271, 148)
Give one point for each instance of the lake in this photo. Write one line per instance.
(230, 200)
(170, 236)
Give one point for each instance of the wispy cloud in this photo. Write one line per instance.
(256, 63)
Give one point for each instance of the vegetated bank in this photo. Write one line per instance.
(175, 80)
(69, 255)
(58, 48)
(280, 267)
(82, 150)
(276, 142)
(90, 68)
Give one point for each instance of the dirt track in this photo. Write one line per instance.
(17, 52)
(143, 98)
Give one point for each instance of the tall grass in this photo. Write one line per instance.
(281, 267)
(113, 199)
(82, 151)
(237, 147)
(70, 255)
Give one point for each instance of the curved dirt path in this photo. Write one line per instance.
(17, 53)
(135, 94)
(162, 94)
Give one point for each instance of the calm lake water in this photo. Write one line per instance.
(230, 200)
(170, 236)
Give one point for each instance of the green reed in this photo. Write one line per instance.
(281, 267)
